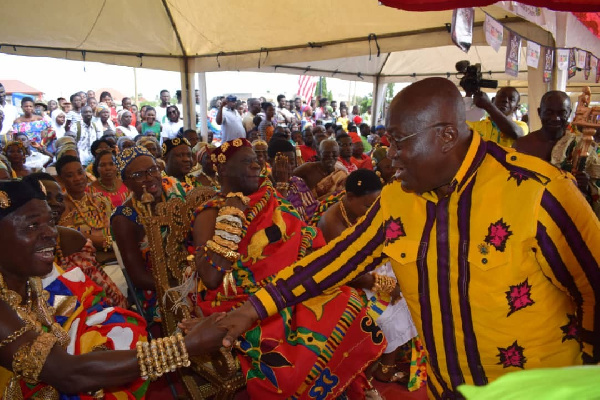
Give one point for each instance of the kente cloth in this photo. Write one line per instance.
(171, 189)
(86, 260)
(117, 198)
(331, 184)
(313, 350)
(489, 131)
(500, 274)
(90, 215)
(395, 320)
(92, 325)
(302, 198)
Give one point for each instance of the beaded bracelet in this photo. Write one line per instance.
(228, 236)
(234, 230)
(161, 356)
(213, 264)
(239, 195)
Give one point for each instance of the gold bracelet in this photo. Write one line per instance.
(148, 361)
(228, 210)
(176, 353)
(232, 220)
(282, 186)
(184, 353)
(234, 230)
(239, 195)
(229, 255)
(170, 353)
(225, 243)
(140, 357)
(29, 360)
(15, 335)
(163, 355)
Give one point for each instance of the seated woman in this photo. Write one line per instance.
(241, 239)
(108, 183)
(206, 175)
(385, 302)
(85, 212)
(16, 154)
(141, 175)
(59, 340)
(72, 248)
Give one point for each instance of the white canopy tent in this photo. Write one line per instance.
(198, 36)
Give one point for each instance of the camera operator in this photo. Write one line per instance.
(230, 120)
(499, 127)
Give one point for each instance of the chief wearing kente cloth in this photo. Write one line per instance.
(140, 173)
(57, 340)
(495, 252)
(241, 239)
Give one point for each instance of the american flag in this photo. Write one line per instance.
(306, 87)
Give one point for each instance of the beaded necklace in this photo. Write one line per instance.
(109, 190)
(344, 214)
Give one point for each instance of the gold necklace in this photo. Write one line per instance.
(109, 190)
(344, 214)
(210, 180)
(94, 223)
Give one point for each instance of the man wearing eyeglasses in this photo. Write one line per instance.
(495, 251)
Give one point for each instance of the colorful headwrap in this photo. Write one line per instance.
(125, 157)
(170, 144)
(16, 193)
(64, 148)
(207, 148)
(355, 137)
(17, 143)
(227, 150)
(101, 107)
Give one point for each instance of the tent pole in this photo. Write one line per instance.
(187, 94)
(135, 88)
(560, 82)
(201, 77)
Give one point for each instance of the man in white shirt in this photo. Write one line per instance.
(10, 114)
(161, 110)
(230, 120)
(85, 133)
(284, 116)
(171, 127)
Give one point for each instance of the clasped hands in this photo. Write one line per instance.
(208, 335)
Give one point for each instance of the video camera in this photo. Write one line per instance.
(471, 80)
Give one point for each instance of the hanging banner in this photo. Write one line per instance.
(530, 13)
(494, 32)
(562, 59)
(548, 64)
(581, 54)
(513, 54)
(594, 67)
(587, 67)
(533, 54)
(572, 63)
(462, 28)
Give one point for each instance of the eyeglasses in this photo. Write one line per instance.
(396, 142)
(152, 172)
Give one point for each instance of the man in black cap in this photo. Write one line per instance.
(230, 120)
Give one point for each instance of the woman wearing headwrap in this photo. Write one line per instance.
(59, 120)
(51, 329)
(151, 144)
(206, 175)
(140, 173)
(103, 118)
(124, 142)
(126, 128)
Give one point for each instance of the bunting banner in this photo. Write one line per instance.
(562, 59)
(548, 64)
(533, 54)
(513, 54)
(462, 28)
(588, 66)
(594, 67)
(581, 54)
(572, 63)
(494, 32)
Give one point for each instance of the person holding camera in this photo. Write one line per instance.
(230, 120)
(499, 127)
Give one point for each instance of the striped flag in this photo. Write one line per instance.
(306, 87)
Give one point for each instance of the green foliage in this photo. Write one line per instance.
(365, 102)
(326, 93)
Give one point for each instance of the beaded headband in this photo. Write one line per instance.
(125, 157)
(227, 150)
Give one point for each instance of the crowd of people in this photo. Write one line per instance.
(426, 252)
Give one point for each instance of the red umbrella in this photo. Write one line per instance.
(436, 5)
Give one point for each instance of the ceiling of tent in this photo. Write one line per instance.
(216, 35)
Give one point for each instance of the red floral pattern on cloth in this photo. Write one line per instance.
(571, 329)
(86, 260)
(512, 356)
(498, 234)
(394, 229)
(519, 297)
